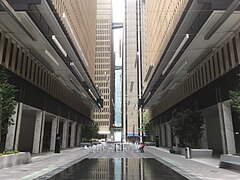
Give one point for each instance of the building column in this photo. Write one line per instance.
(13, 134)
(54, 133)
(158, 134)
(163, 139)
(73, 134)
(42, 130)
(79, 128)
(65, 134)
(222, 130)
(169, 135)
(38, 132)
(204, 139)
(228, 125)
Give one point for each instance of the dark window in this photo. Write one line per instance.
(11, 55)
(22, 59)
(30, 69)
(214, 70)
(235, 49)
(209, 68)
(229, 55)
(16, 60)
(202, 74)
(218, 63)
(34, 72)
(223, 58)
(205, 68)
(4, 51)
(26, 68)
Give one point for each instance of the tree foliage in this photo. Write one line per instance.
(7, 103)
(89, 131)
(235, 97)
(187, 125)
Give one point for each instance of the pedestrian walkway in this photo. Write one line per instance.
(45, 165)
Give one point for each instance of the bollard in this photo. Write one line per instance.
(188, 153)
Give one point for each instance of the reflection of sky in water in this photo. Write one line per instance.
(119, 169)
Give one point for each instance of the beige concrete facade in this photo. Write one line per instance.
(103, 62)
(81, 16)
(161, 20)
(130, 70)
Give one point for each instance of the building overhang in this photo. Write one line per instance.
(199, 19)
(48, 39)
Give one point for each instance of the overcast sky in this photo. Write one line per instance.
(118, 9)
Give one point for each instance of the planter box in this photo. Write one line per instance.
(201, 152)
(197, 152)
(14, 159)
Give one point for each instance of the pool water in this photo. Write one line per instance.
(119, 169)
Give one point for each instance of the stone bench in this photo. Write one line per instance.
(230, 161)
(14, 159)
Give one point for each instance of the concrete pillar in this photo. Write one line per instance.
(73, 134)
(12, 129)
(228, 125)
(39, 129)
(53, 133)
(79, 128)
(163, 135)
(18, 125)
(157, 132)
(222, 129)
(37, 132)
(169, 135)
(65, 134)
(176, 141)
(42, 130)
(204, 139)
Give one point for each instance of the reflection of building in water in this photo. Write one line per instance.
(102, 169)
(132, 168)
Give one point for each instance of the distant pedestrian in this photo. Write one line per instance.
(57, 144)
(141, 147)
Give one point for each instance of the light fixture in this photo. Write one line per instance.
(51, 57)
(167, 84)
(92, 94)
(147, 97)
(74, 38)
(149, 72)
(55, 40)
(232, 7)
(76, 70)
(92, 103)
(176, 53)
(71, 80)
(181, 67)
(84, 94)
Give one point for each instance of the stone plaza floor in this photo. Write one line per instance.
(46, 165)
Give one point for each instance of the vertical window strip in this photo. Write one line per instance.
(229, 55)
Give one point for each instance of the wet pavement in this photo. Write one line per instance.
(45, 166)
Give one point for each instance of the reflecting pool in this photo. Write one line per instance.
(119, 169)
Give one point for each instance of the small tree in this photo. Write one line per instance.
(89, 131)
(146, 128)
(187, 125)
(7, 104)
(235, 97)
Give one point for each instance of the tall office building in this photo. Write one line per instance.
(104, 64)
(194, 46)
(130, 72)
(48, 50)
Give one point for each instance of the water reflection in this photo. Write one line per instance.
(119, 169)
